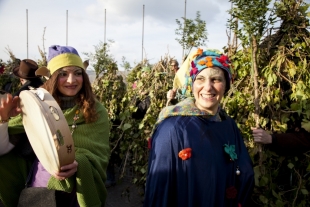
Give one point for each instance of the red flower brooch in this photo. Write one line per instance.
(231, 192)
(185, 154)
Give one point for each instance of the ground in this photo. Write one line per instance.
(125, 194)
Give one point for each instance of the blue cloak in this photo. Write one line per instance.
(208, 178)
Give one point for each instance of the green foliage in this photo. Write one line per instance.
(7, 77)
(135, 132)
(284, 92)
(193, 33)
(252, 16)
(125, 64)
(102, 57)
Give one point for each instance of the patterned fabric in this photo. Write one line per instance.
(186, 108)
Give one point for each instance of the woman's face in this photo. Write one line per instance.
(70, 80)
(209, 88)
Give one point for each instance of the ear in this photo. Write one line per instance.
(86, 63)
(43, 71)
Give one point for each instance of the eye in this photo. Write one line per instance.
(200, 78)
(63, 74)
(78, 73)
(217, 79)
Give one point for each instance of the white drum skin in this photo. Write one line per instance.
(47, 129)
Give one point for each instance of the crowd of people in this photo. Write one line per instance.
(197, 154)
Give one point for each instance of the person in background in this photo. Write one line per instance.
(180, 89)
(174, 66)
(290, 143)
(80, 183)
(142, 105)
(26, 74)
(197, 154)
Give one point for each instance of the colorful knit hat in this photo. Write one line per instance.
(206, 59)
(59, 57)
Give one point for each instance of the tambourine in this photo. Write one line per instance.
(47, 129)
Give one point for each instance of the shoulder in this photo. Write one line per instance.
(175, 123)
(100, 107)
(101, 110)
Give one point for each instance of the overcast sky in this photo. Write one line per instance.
(123, 25)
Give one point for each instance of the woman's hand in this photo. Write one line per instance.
(9, 107)
(261, 136)
(67, 171)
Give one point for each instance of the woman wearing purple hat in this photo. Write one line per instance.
(80, 183)
(197, 155)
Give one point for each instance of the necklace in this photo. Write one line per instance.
(75, 118)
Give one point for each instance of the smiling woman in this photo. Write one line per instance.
(197, 156)
(80, 183)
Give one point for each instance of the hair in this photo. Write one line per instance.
(85, 97)
(227, 79)
(175, 62)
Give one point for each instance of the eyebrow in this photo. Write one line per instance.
(73, 70)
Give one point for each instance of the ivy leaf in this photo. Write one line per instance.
(290, 165)
(292, 71)
(305, 124)
(304, 191)
(126, 126)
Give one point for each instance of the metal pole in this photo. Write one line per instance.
(105, 23)
(67, 29)
(184, 29)
(27, 32)
(142, 33)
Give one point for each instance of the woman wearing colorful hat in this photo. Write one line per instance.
(80, 183)
(197, 154)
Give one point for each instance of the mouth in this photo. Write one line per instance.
(71, 87)
(207, 96)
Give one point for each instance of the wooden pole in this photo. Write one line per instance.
(67, 29)
(27, 33)
(142, 33)
(105, 23)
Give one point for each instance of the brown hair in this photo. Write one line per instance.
(85, 98)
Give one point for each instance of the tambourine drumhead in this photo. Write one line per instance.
(47, 129)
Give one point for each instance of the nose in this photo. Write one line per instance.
(208, 85)
(71, 78)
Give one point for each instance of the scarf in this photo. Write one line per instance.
(187, 107)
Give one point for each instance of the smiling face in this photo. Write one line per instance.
(209, 88)
(70, 80)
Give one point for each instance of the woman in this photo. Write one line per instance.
(197, 155)
(80, 183)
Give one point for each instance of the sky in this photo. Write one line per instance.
(124, 25)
